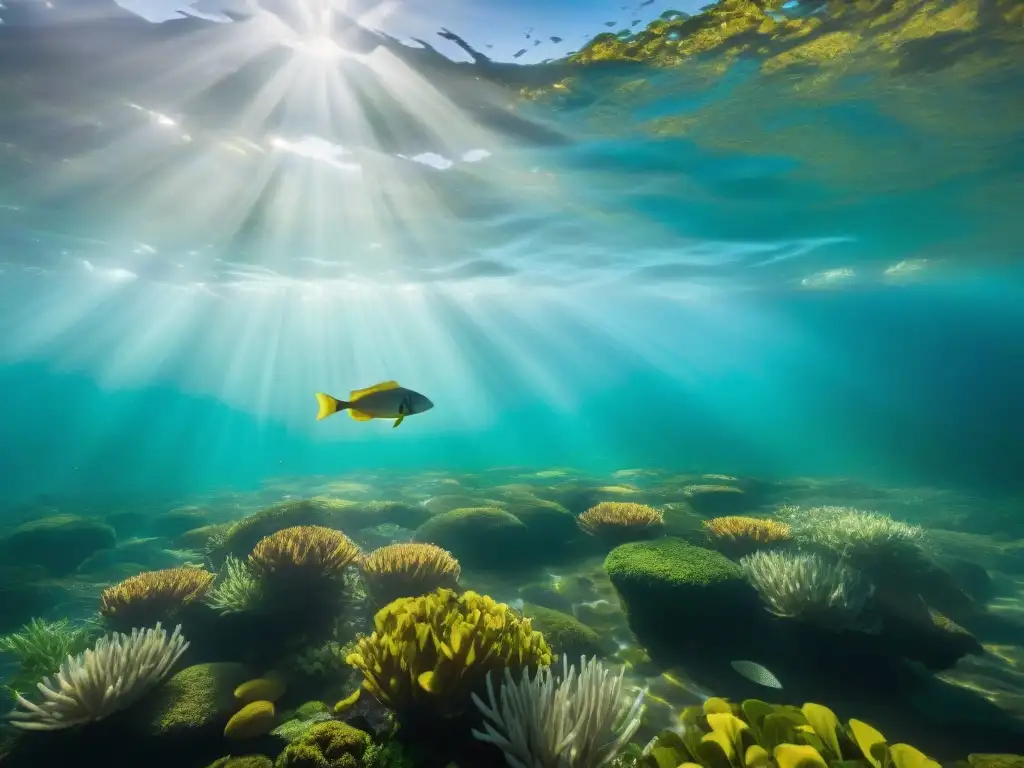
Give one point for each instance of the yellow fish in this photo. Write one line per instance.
(386, 400)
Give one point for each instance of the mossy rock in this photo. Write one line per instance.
(194, 704)
(482, 537)
(326, 745)
(564, 633)
(24, 594)
(551, 527)
(175, 522)
(127, 524)
(245, 761)
(373, 513)
(245, 533)
(199, 538)
(972, 578)
(145, 554)
(716, 499)
(58, 544)
(683, 596)
(915, 631)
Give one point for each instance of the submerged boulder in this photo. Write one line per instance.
(677, 595)
(481, 537)
(58, 544)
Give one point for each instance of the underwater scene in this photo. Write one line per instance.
(471, 384)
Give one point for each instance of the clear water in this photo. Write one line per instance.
(732, 264)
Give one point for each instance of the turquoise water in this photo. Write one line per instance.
(743, 267)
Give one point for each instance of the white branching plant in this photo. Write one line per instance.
(104, 679)
(579, 721)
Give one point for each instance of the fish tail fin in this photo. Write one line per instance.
(328, 405)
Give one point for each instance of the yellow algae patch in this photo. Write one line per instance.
(826, 48)
(252, 720)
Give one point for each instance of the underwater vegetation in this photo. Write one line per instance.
(102, 680)
(427, 655)
(755, 733)
(303, 650)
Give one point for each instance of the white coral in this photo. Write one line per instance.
(809, 588)
(102, 680)
(580, 721)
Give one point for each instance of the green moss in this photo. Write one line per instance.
(668, 587)
(327, 745)
(668, 562)
(478, 536)
(391, 755)
(311, 708)
(246, 761)
(198, 698)
(564, 633)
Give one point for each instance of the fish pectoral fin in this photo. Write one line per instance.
(359, 415)
(398, 421)
(383, 386)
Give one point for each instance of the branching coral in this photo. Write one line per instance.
(102, 680)
(809, 588)
(237, 590)
(621, 520)
(428, 654)
(153, 595)
(304, 550)
(756, 734)
(580, 721)
(408, 570)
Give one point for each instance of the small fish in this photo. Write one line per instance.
(755, 673)
(386, 400)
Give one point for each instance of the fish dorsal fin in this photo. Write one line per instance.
(359, 415)
(358, 394)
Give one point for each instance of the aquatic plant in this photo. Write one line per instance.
(237, 590)
(738, 527)
(621, 520)
(756, 734)
(42, 646)
(304, 551)
(808, 588)
(428, 654)
(409, 569)
(153, 595)
(101, 680)
(331, 744)
(580, 721)
(850, 532)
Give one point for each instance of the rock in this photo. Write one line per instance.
(141, 554)
(564, 633)
(482, 537)
(175, 522)
(682, 596)
(58, 544)
(972, 578)
(715, 500)
(193, 705)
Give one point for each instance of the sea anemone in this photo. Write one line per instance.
(809, 588)
(752, 528)
(853, 532)
(408, 570)
(621, 520)
(153, 595)
(309, 551)
(101, 680)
